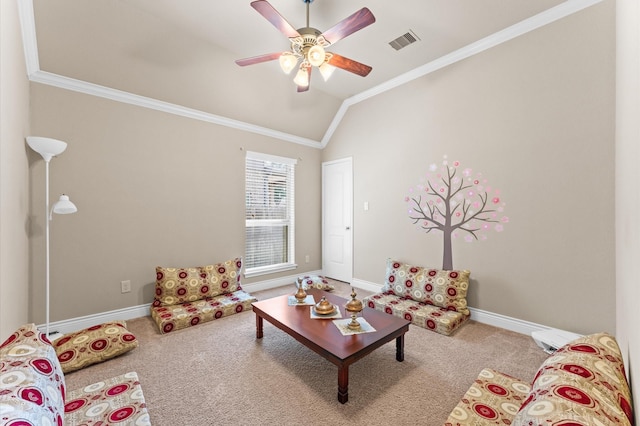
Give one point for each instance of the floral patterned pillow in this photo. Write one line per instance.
(442, 288)
(32, 383)
(583, 382)
(179, 285)
(314, 281)
(93, 345)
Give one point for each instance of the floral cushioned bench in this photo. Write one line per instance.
(189, 296)
(33, 393)
(430, 298)
(581, 384)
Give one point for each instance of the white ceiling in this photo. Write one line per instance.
(182, 52)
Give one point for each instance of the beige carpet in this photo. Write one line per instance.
(217, 373)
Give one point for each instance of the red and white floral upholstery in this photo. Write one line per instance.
(189, 296)
(314, 281)
(493, 399)
(581, 384)
(431, 317)
(32, 389)
(177, 317)
(181, 285)
(112, 402)
(430, 298)
(94, 344)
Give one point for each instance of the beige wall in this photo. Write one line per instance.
(627, 192)
(152, 189)
(536, 117)
(14, 198)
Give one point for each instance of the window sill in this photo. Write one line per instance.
(264, 270)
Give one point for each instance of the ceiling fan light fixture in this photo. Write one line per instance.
(288, 62)
(326, 70)
(316, 55)
(302, 77)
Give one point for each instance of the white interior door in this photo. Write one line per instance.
(337, 219)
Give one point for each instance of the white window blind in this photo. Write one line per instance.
(269, 214)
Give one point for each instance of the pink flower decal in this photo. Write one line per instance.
(470, 204)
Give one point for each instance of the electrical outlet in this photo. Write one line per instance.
(306, 259)
(125, 286)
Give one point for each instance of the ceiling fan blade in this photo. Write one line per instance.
(349, 65)
(349, 25)
(258, 59)
(265, 9)
(305, 88)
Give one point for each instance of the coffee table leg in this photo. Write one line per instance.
(400, 348)
(258, 327)
(343, 384)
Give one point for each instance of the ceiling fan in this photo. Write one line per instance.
(308, 44)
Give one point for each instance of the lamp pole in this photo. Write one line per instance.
(49, 148)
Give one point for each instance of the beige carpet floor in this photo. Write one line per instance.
(218, 373)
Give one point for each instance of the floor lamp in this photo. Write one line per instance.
(49, 148)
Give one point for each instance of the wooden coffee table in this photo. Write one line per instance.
(323, 337)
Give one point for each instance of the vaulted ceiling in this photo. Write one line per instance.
(178, 56)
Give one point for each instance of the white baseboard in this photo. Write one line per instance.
(80, 323)
(75, 324)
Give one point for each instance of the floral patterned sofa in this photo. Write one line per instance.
(581, 384)
(33, 393)
(189, 296)
(430, 298)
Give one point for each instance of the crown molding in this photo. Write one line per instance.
(27, 22)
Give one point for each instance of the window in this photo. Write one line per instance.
(269, 214)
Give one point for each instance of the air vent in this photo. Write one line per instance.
(404, 40)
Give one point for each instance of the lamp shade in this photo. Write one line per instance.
(326, 70)
(64, 206)
(302, 77)
(47, 147)
(288, 62)
(315, 56)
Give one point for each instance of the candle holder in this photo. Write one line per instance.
(300, 295)
(353, 306)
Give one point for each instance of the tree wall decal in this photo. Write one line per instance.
(457, 202)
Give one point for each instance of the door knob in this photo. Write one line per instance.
(348, 227)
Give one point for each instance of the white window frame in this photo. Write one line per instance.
(288, 222)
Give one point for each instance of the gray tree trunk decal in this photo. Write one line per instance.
(456, 202)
